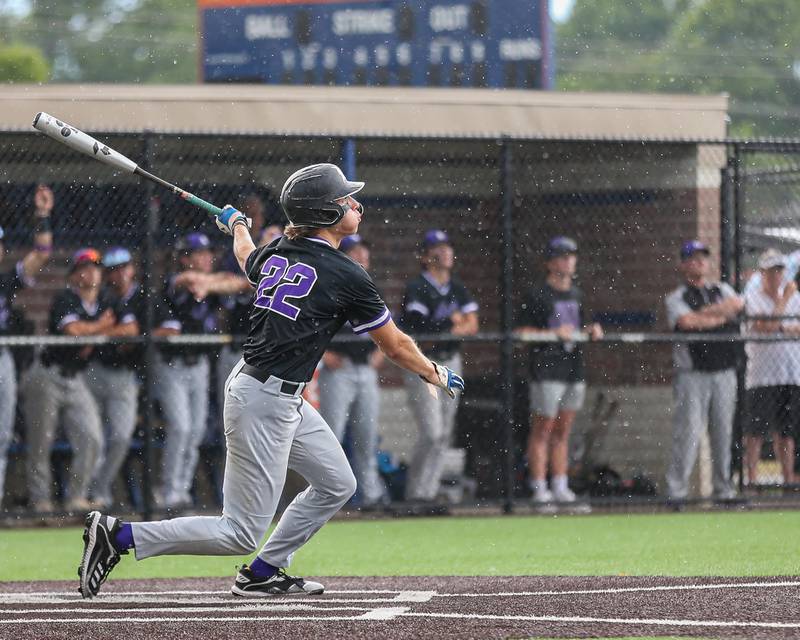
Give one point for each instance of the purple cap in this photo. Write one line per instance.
(561, 246)
(194, 241)
(116, 257)
(348, 242)
(434, 237)
(690, 247)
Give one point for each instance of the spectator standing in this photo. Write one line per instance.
(704, 381)
(436, 302)
(349, 394)
(183, 371)
(558, 388)
(56, 387)
(113, 374)
(22, 274)
(773, 368)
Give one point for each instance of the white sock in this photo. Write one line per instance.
(559, 483)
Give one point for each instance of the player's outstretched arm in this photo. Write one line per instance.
(401, 349)
(234, 223)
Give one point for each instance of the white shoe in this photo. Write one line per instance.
(564, 495)
(543, 496)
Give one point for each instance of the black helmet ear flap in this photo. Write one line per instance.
(309, 196)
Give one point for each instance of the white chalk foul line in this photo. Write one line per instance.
(230, 600)
(244, 608)
(224, 592)
(643, 621)
(386, 613)
(677, 587)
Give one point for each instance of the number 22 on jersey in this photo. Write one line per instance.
(282, 282)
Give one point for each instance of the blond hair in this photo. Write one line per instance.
(293, 233)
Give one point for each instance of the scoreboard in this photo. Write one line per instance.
(440, 43)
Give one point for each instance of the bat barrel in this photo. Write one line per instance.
(80, 141)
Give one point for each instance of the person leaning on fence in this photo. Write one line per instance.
(55, 391)
(773, 368)
(22, 274)
(436, 302)
(558, 388)
(113, 375)
(704, 381)
(183, 370)
(349, 394)
(235, 294)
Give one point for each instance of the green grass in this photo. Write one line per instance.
(720, 544)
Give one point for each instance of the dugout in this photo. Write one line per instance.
(629, 176)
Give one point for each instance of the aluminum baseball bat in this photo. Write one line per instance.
(84, 143)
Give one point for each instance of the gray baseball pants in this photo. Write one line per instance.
(48, 396)
(116, 390)
(227, 360)
(266, 432)
(702, 399)
(349, 395)
(182, 390)
(8, 405)
(435, 418)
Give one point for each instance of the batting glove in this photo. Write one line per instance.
(446, 379)
(229, 218)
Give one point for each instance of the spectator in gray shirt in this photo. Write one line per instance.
(704, 384)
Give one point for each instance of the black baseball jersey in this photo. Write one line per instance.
(703, 356)
(428, 306)
(237, 307)
(305, 291)
(68, 307)
(179, 310)
(358, 350)
(548, 308)
(10, 283)
(128, 308)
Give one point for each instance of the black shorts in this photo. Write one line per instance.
(772, 409)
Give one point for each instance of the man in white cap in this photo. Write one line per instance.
(113, 373)
(773, 368)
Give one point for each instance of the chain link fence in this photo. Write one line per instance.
(629, 206)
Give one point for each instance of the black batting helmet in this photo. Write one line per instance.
(309, 195)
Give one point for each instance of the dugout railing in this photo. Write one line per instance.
(628, 203)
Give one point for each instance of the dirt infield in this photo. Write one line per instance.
(404, 607)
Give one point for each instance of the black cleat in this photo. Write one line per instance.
(99, 554)
(281, 584)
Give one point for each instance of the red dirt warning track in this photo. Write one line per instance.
(405, 607)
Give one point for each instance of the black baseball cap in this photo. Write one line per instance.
(690, 247)
(561, 246)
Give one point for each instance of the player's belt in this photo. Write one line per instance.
(289, 388)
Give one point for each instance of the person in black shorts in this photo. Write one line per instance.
(773, 368)
(305, 290)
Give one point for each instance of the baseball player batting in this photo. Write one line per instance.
(305, 290)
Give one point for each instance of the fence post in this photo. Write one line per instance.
(148, 282)
(727, 221)
(737, 193)
(348, 158)
(507, 322)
